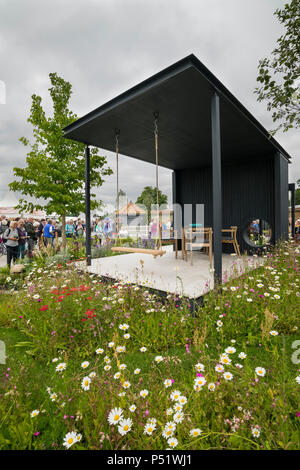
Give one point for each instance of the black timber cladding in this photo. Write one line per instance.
(247, 193)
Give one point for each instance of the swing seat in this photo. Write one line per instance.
(145, 251)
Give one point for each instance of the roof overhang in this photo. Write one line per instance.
(181, 94)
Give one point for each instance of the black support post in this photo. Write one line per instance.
(87, 206)
(216, 187)
(292, 191)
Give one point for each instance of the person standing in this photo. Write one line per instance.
(107, 229)
(98, 230)
(32, 236)
(11, 240)
(22, 239)
(39, 231)
(70, 229)
(49, 232)
(79, 229)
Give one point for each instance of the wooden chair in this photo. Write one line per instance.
(168, 237)
(230, 237)
(197, 238)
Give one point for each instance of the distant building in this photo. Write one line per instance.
(131, 214)
(11, 212)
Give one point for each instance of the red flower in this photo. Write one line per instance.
(44, 307)
(60, 298)
(89, 313)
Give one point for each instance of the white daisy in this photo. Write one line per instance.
(273, 333)
(137, 371)
(99, 351)
(224, 359)
(211, 387)
(242, 355)
(200, 381)
(85, 384)
(195, 432)
(159, 359)
(69, 439)
(143, 349)
(132, 408)
(178, 417)
(175, 395)
(124, 327)
(60, 367)
(34, 413)
(182, 400)
(115, 415)
(230, 350)
(177, 407)
(85, 364)
(172, 442)
(255, 432)
(260, 371)
(124, 426)
(149, 428)
(168, 383)
(227, 376)
(144, 393)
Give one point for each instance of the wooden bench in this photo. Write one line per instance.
(145, 251)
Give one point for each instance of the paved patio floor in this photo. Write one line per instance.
(169, 274)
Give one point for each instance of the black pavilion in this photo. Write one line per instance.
(221, 156)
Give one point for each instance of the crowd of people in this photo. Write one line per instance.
(23, 235)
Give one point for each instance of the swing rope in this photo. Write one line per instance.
(158, 251)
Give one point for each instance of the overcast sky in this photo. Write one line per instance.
(104, 47)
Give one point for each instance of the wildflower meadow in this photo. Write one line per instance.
(96, 365)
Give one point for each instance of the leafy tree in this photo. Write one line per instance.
(55, 171)
(148, 197)
(279, 76)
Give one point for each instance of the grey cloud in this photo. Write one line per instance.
(103, 47)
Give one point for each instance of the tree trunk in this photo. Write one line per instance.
(63, 230)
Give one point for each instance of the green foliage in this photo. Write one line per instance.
(279, 76)
(55, 170)
(148, 198)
